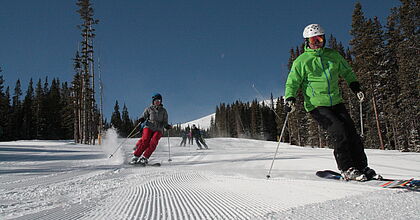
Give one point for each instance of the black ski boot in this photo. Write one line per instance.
(143, 161)
(371, 174)
(353, 174)
(134, 160)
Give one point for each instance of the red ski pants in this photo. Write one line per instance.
(147, 143)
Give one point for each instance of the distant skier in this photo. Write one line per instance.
(184, 138)
(317, 73)
(196, 133)
(156, 118)
(190, 137)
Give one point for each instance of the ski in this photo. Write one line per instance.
(410, 184)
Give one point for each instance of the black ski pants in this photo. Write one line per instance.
(184, 141)
(198, 140)
(348, 146)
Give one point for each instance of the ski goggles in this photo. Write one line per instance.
(314, 39)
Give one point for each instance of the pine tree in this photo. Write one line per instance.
(4, 110)
(67, 112)
(76, 99)
(116, 120)
(255, 120)
(392, 89)
(8, 113)
(271, 121)
(216, 121)
(237, 121)
(221, 121)
(126, 123)
(40, 112)
(365, 45)
(281, 119)
(246, 119)
(212, 130)
(408, 74)
(358, 65)
(86, 126)
(28, 125)
(16, 119)
(369, 61)
(54, 108)
(231, 132)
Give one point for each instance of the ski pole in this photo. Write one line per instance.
(281, 134)
(361, 119)
(278, 144)
(129, 136)
(169, 145)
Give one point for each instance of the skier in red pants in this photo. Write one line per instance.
(156, 119)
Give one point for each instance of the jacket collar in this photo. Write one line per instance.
(156, 106)
(316, 52)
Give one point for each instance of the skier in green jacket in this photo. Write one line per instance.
(317, 72)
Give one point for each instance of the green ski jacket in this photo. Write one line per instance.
(316, 72)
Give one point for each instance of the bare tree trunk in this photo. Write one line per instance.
(92, 70)
(76, 121)
(84, 116)
(101, 109)
(377, 124)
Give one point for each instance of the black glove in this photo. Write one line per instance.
(167, 127)
(290, 105)
(355, 87)
(141, 120)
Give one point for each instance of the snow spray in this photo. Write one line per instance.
(108, 145)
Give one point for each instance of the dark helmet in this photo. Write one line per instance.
(156, 96)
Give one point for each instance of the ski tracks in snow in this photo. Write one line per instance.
(225, 182)
(65, 195)
(179, 195)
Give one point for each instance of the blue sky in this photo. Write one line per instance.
(197, 54)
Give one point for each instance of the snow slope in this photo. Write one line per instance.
(202, 123)
(62, 180)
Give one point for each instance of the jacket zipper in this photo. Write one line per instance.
(328, 81)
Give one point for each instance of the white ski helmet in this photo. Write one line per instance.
(313, 30)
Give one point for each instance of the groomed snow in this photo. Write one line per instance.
(63, 180)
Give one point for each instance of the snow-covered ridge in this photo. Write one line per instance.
(202, 123)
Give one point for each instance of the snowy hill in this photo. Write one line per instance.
(62, 180)
(202, 123)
